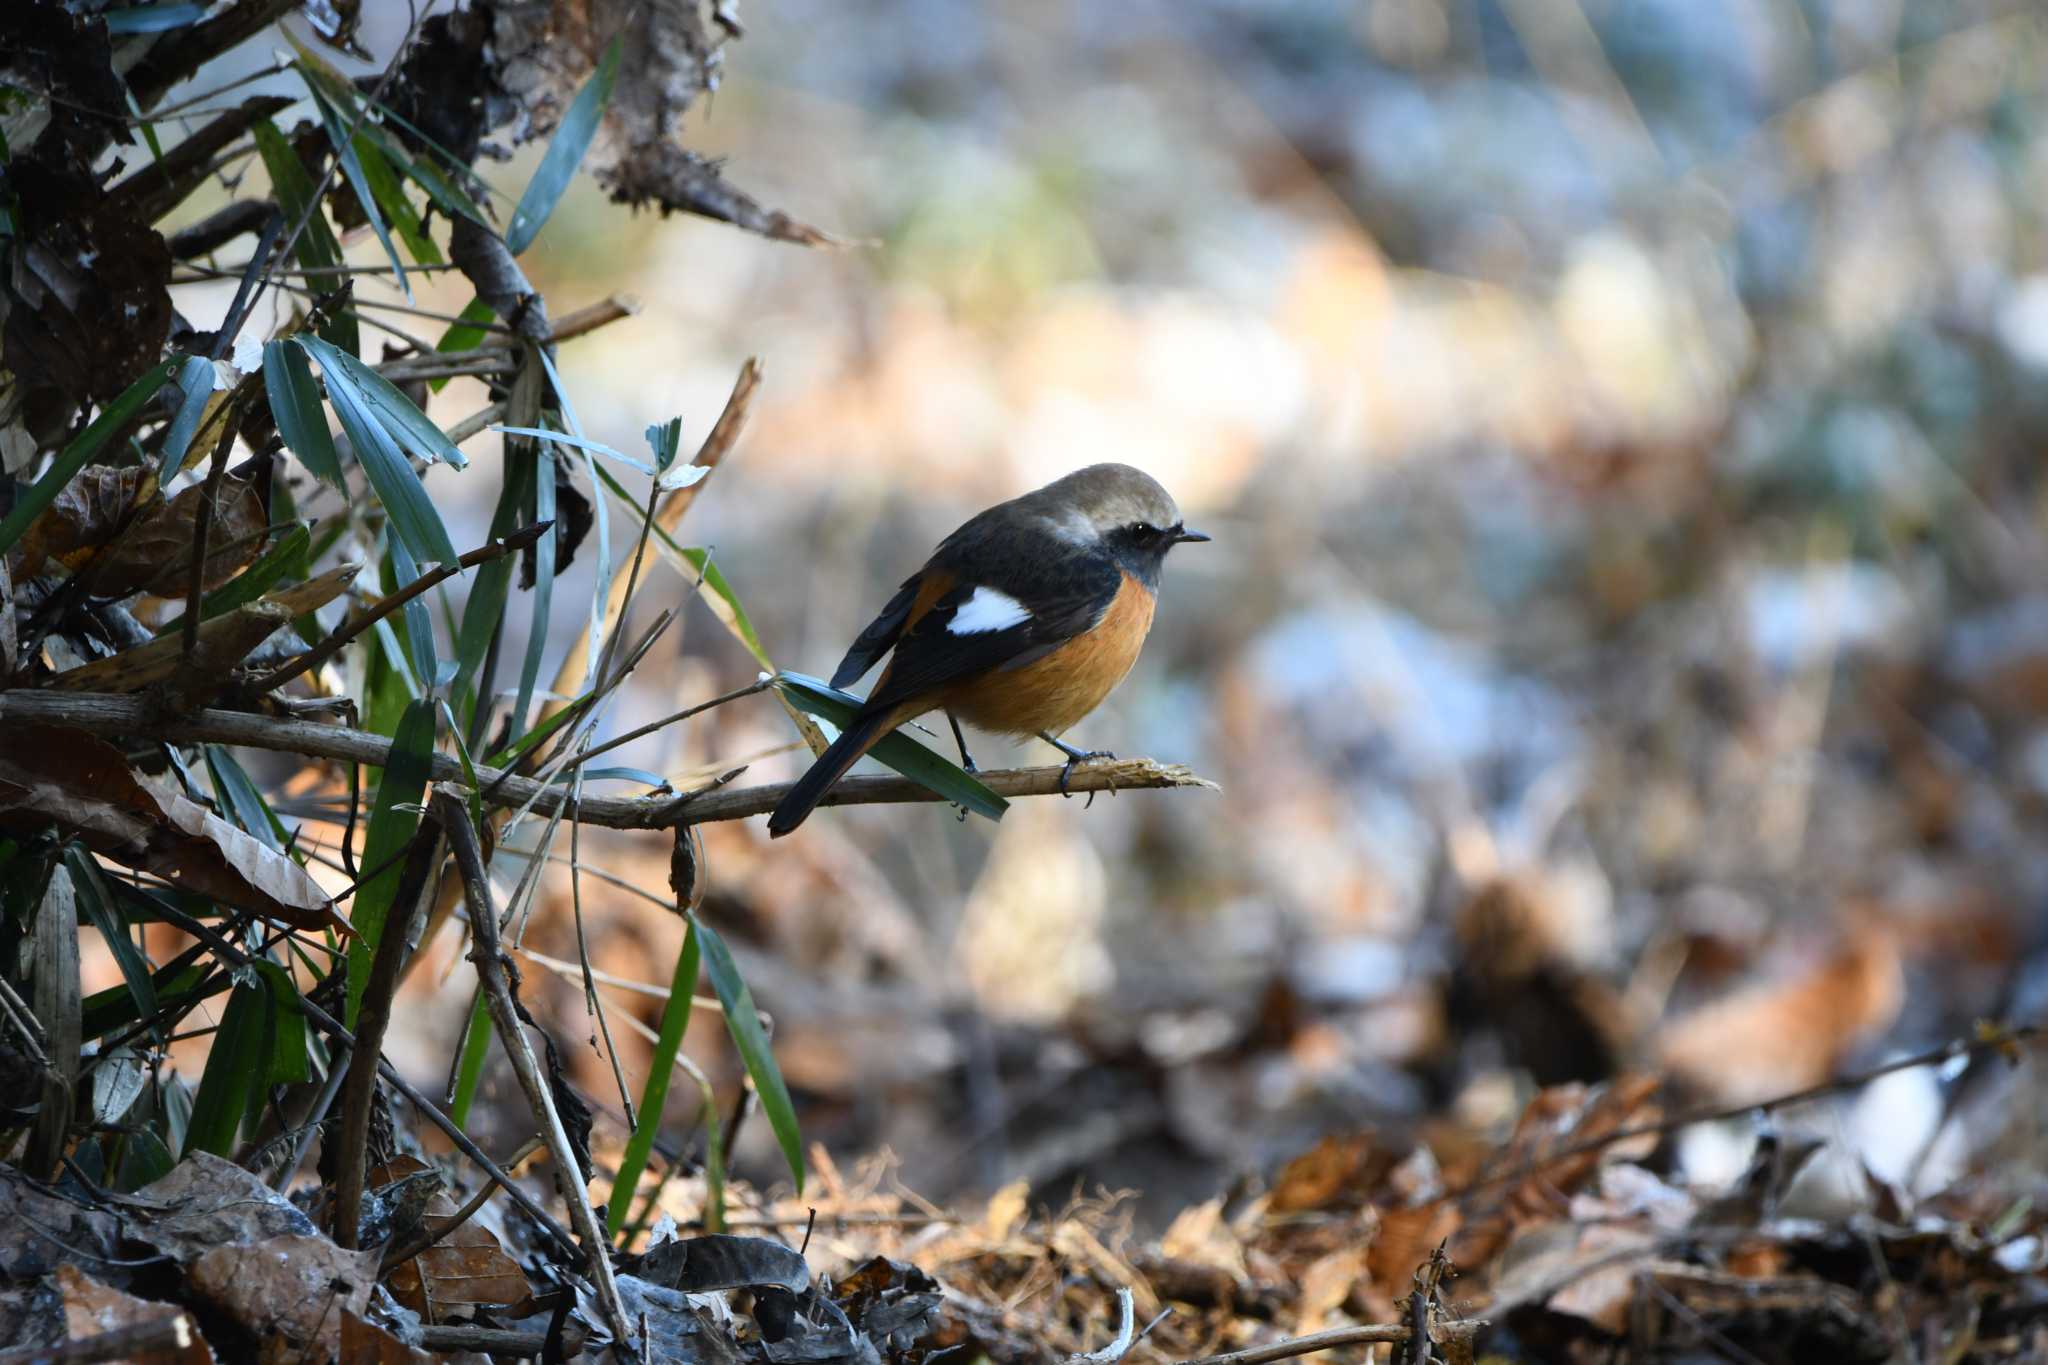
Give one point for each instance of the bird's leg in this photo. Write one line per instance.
(966, 759)
(1075, 758)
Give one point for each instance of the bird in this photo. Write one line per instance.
(1020, 623)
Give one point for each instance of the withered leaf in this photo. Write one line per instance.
(469, 1267)
(151, 540)
(84, 786)
(92, 1309)
(365, 1343)
(296, 1287)
(222, 644)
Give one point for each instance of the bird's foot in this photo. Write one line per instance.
(1075, 758)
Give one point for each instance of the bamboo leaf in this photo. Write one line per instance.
(195, 377)
(105, 914)
(233, 1067)
(344, 144)
(675, 1021)
(465, 334)
(317, 247)
(413, 518)
(565, 152)
(743, 1022)
(291, 552)
(394, 818)
(295, 405)
(413, 429)
(899, 751)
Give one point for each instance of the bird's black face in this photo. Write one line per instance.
(1141, 547)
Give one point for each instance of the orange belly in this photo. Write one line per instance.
(1056, 691)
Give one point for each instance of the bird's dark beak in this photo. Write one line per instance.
(1182, 535)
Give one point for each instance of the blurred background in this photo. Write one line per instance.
(1624, 645)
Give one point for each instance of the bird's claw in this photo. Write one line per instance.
(1076, 760)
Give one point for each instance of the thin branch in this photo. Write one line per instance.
(2002, 1039)
(116, 715)
(490, 965)
(319, 654)
(1336, 1337)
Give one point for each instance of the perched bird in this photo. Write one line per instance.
(1021, 622)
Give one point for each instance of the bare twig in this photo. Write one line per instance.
(113, 714)
(1336, 1337)
(2000, 1039)
(319, 654)
(453, 816)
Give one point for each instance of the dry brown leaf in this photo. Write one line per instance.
(1340, 1168)
(1325, 1283)
(1559, 1119)
(365, 1343)
(92, 1308)
(316, 592)
(295, 1287)
(154, 552)
(1406, 1238)
(195, 679)
(1784, 1036)
(84, 786)
(469, 1269)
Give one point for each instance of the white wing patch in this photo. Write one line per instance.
(985, 611)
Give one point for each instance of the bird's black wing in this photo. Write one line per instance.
(1064, 593)
(881, 633)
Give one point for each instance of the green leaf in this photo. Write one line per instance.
(485, 606)
(115, 1008)
(565, 152)
(594, 447)
(411, 428)
(419, 623)
(665, 439)
(916, 762)
(195, 377)
(601, 538)
(476, 1046)
(106, 917)
(743, 1022)
(317, 248)
(384, 184)
(75, 456)
(234, 1068)
(343, 141)
(295, 406)
(675, 1020)
(412, 516)
(286, 1060)
(290, 552)
(464, 335)
(394, 818)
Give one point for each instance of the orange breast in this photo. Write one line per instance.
(1054, 692)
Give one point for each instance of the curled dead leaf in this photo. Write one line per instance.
(84, 786)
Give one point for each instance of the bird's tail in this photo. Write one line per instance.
(840, 755)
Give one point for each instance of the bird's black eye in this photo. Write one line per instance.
(1144, 530)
